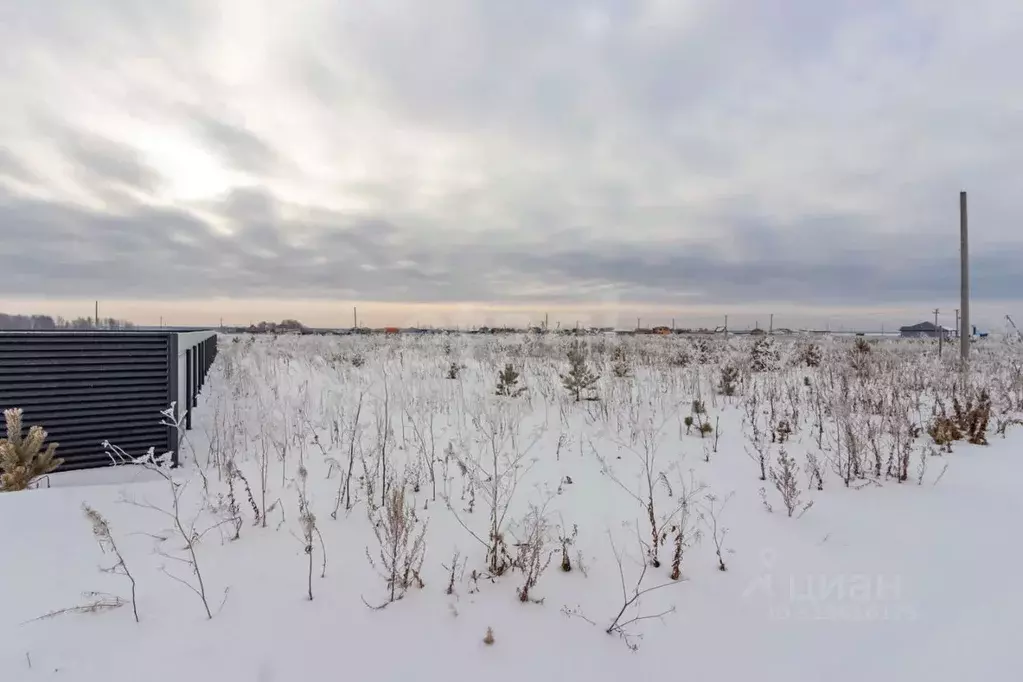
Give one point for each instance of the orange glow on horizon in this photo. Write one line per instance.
(378, 314)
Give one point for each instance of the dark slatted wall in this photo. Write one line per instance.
(87, 387)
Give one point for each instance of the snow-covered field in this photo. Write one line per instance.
(318, 465)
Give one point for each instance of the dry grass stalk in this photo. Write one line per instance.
(101, 531)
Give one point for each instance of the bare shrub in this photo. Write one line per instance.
(710, 514)
(643, 442)
(185, 530)
(682, 531)
(781, 432)
(402, 543)
(973, 417)
(455, 572)
(495, 468)
(533, 555)
(814, 471)
(785, 480)
(566, 540)
(630, 613)
(944, 431)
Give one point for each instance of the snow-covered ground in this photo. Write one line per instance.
(875, 580)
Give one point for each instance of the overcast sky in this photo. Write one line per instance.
(663, 157)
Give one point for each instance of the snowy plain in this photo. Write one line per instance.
(880, 579)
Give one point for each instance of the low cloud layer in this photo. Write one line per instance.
(532, 152)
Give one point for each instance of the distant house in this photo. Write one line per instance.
(924, 330)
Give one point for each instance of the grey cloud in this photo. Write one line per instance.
(100, 162)
(791, 150)
(163, 253)
(13, 168)
(241, 148)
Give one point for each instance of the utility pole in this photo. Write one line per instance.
(637, 324)
(96, 316)
(546, 321)
(941, 332)
(355, 317)
(673, 325)
(957, 321)
(771, 328)
(726, 326)
(964, 286)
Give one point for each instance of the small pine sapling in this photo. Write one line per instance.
(579, 377)
(507, 382)
(728, 379)
(23, 459)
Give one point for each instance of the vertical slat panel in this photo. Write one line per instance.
(190, 373)
(173, 397)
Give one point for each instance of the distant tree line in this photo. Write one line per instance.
(47, 323)
(282, 327)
